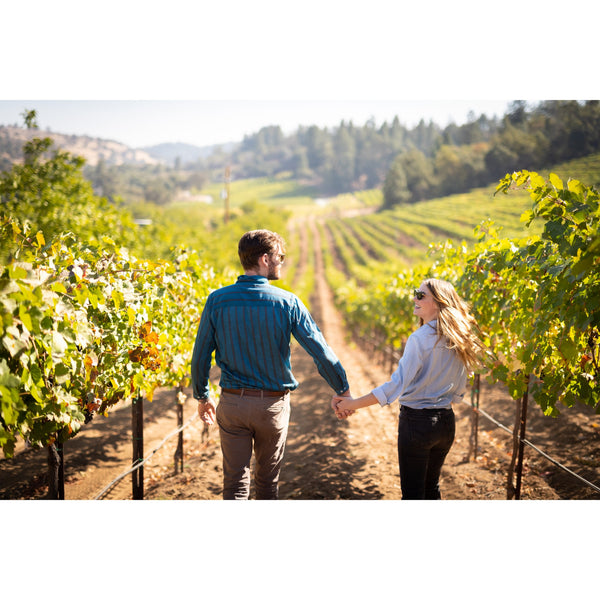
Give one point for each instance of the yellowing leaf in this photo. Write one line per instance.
(151, 338)
(58, 287)
(25, 318)
(575, 186)
(15, 272)
(93, 299)
(556, 181)
(527, 216)
(145, 329)
(40, 239)
(536, 180)
(88, 366)
(117, 298)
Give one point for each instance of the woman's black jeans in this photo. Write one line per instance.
(425, 437)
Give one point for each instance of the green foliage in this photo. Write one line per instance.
(552, 132)
(86, 325)
(370, 197)
(206, 231)
(351, 157)
(536, 297)
(30, 118)
(383, 243)
(385, 313)
(304, 281)
(52, 195)
(341, 159)
(395, 186)
(539, 299)
(139, 184)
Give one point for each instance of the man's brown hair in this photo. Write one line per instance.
(253, 244)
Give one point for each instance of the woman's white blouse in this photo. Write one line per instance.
(429, 375)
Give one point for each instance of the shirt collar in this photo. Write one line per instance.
(252, 279)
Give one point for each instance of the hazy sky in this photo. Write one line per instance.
(202, 123)
(315, 62)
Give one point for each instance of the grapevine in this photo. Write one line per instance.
(536, 298)
(539, 298)
(86, 325)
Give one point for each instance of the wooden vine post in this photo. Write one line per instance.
(137, 429)
(522, 425)
(513, 491)
(180, 399)
(56, 472)
(475, 391)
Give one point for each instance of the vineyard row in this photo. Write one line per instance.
(84, 327)
(536, 298)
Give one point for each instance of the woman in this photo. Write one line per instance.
(431, 374)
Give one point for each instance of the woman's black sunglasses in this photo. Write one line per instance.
(419, 295)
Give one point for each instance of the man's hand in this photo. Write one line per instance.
(207, 412)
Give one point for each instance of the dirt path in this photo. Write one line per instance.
(325, 458)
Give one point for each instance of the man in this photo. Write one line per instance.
(249, 324)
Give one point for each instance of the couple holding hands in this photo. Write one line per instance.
(248, 325)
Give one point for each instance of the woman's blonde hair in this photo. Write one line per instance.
(456, 324)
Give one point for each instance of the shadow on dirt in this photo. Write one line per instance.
(572, 439)
(103, 442)
(317, 463)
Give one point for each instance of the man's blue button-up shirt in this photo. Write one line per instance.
(249, 324)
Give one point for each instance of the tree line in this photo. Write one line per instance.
(423, 162)
(552, 132)
(409, 164)
(346, 158)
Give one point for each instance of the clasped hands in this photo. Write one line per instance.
(339, 403)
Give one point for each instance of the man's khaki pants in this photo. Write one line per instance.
(244, 420)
